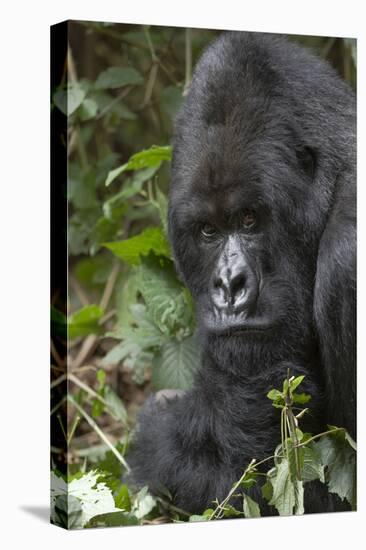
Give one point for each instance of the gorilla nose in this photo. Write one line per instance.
(231, 287)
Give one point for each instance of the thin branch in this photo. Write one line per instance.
(188, 51)
(118, 98)
(101, 434)
(60, 362)
(79, 291)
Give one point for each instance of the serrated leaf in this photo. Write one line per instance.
(175, 364)
(167, 301)
(340, 460)
(283, 497)
(130, 250)
(116, 77)
(95, 498)
(67, 511)
(144, 503)
(250, 507)
(312, 467)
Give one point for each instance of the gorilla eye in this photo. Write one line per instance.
(208, 231)
(249, 218)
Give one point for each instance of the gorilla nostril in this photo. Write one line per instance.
(237, 286)
(218, 283)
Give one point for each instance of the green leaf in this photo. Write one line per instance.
(301, 398)
(283, 497)
(69, 99)
(196, 517)
(115, 405)
(116, 205)
(267, 490)
(130, 250)
(296, 382)
(101, 376)
(113, 519)
(116, 77)
(85, 321)
(171, 99)
(168, 302)
(148, 158)
(231, 512)
(250, 507)
(340, 461)
(122, 499)
(58, 323)
(67, 511)
(161, 203)
(143, 504)
(175, 364)
(275, 395)
(312, 467)
(88, 109)
(94, 497)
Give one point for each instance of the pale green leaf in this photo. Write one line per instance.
(116, 77)
(250, 507)
(175, 364)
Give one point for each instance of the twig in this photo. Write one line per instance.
(118, 98)
(188, 51)
(91, 341)
(60, 362)
(58, 380)
(102, 436)
(58, 405)
(79, 291)
(86, 388)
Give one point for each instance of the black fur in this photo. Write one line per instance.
(270, 128)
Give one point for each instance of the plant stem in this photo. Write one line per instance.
(188, 51)
(101, 434)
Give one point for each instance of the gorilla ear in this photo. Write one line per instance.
(307, 159)
(335, 305)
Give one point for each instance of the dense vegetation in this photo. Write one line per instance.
(129, 320)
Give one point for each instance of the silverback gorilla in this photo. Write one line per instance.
(263, 229)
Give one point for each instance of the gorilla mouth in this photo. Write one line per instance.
(238, 327)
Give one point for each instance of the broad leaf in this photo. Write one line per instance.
(94, 498)
(175, 364)
(116, 77)
(113, 519)
(130, 250)
(250, 507)
(84, 321)
(168, 302)
(287, 495)
(149, 158)
(69, 99)
(340, 460)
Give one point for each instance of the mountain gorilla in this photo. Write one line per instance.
(262, 225)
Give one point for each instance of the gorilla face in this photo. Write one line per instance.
(245, 238)
(256, 157)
